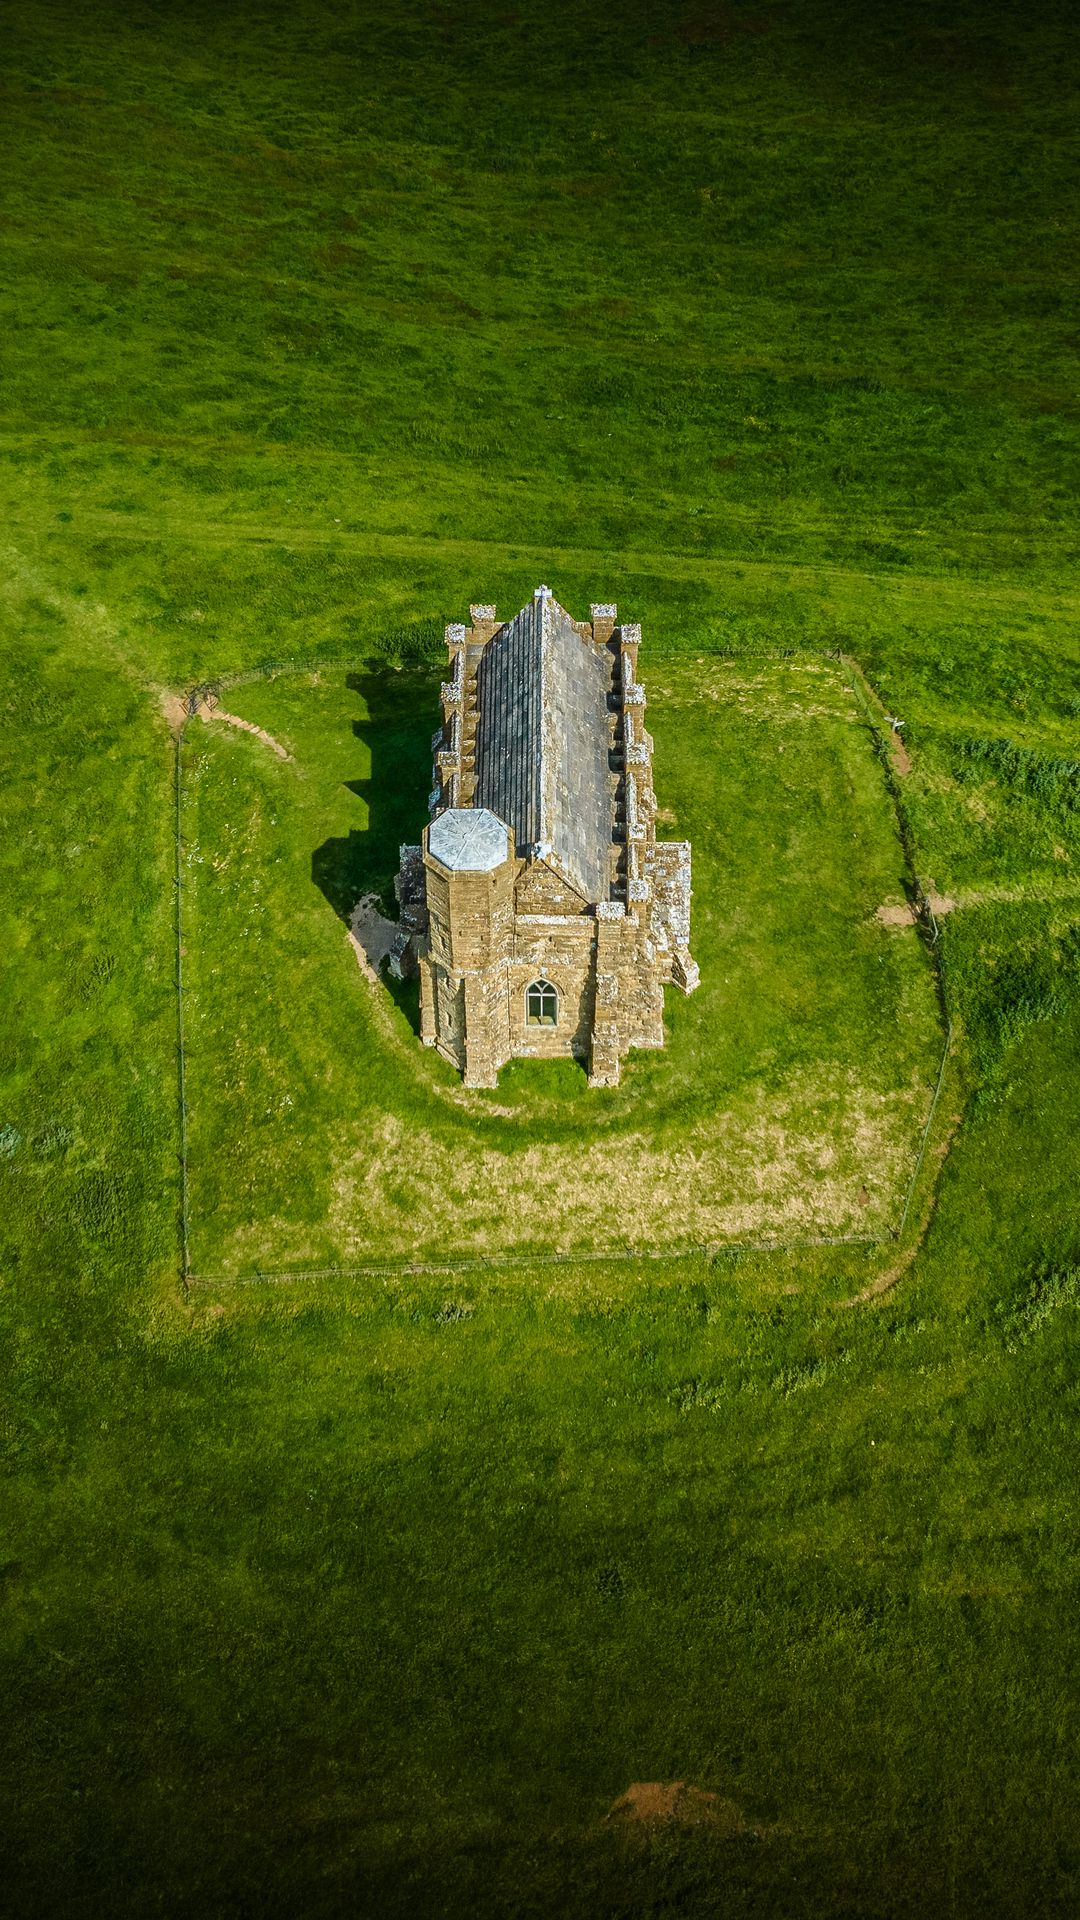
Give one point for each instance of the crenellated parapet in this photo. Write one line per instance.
(636, 804)
(453, 743)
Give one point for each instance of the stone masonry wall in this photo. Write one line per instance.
(557, 948)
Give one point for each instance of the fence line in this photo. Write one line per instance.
(706, 1250)
(710, 1250)
(924, 912)
(946, 1051)
(181, 1062)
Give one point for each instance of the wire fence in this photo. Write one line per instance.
(181, 1058)
(270, 669)
(873, 712)
(496, 1263)
(345, 663)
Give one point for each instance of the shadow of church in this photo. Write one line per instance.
(400, 714)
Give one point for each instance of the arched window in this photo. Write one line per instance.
(541, 1004)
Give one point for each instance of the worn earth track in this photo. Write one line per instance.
(885, 1282)
(666, 565)
(208, 713)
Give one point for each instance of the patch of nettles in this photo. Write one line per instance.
(1007, 966)
(1045, 1291)
(1053, 781)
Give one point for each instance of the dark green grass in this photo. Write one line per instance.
(428, 1578)
(319, 323)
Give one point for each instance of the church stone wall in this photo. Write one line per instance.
(557, 948)
(482, 956)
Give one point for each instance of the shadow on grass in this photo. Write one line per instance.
(400, 713)
(406, 997)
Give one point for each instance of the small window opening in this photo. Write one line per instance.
(541, 1004)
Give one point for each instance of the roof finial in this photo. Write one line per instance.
(542, 593)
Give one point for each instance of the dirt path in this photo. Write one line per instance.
(900, 913)
(895, 913)
(173, 710)
(1016, 896)
(207, 713)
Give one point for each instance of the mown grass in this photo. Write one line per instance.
(371, 1598)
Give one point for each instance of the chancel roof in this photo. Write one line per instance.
(542, 741)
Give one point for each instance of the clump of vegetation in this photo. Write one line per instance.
(1008, 966)
(1048, 1291)
(1054, 783)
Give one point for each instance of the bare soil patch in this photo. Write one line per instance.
(174, 709)
(658, 1802)
(900, 913)
(895, 913)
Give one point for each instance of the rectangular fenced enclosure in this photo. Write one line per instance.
(789, 1101)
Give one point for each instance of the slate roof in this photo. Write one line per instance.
(542, 741)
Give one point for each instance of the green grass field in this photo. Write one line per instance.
(372, 1594)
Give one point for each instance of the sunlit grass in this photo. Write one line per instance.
(371, 1595)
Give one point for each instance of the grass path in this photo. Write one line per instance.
(676, 566)
(1045, 531)
(1017, 895)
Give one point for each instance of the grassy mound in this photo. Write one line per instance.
(794, 1085)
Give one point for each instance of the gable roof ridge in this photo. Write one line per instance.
(547, 745)
(542, 740)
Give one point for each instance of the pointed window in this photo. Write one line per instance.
(541, 1004)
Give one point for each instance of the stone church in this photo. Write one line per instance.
(543, 914)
